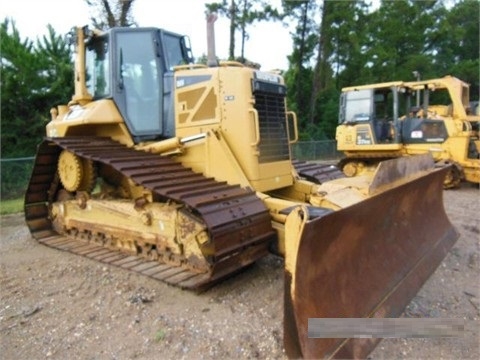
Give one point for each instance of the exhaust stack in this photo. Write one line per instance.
(211, 55)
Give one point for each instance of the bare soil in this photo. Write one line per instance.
(56, 305)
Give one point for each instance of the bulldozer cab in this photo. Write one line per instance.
(375, 112)
(390, 120)
(134, 67)
(394, 113)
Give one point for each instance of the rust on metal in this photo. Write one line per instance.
(237, 221)
(392, 171)
(371, 265)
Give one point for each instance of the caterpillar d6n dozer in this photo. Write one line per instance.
(183, 173)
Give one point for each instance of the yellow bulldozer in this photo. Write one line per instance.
(183, 172)
(389, 120)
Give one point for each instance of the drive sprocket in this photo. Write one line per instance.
(76, 174)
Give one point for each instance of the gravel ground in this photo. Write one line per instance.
(56, 305)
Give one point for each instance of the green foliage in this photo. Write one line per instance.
(34, 78)
(400, 39)
(14, 178)
(355, 46)
(335, 44)
(458, 42)
(299, 76)
(327, 113)
(19, 72)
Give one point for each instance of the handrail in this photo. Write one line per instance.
(295, 127)
(257, 126)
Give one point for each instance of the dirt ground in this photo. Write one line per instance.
(56, 305)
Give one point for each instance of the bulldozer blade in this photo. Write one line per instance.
(364, 261)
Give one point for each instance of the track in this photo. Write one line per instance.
(317, 173)
(238, 223)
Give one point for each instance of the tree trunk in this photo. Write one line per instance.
(320, 71)
(233, 20)
(244, 33)
(301, 54)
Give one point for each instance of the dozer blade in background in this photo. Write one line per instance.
(364, 261)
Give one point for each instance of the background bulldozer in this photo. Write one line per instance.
(390, 120)
(183, 172)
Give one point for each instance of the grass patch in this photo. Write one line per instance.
(11, 206)
(160, 335)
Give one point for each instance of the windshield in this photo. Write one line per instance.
(174, 54)
(140, 80)
(358, 106)
(97, 72)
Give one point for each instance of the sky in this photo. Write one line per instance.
(268, 43)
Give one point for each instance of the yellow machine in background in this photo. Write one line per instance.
(381, 121)
(183, 173)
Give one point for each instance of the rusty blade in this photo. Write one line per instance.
(367, 260)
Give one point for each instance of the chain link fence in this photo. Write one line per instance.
(316, 150)
(15, 173)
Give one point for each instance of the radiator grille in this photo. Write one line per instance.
(273, 144)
